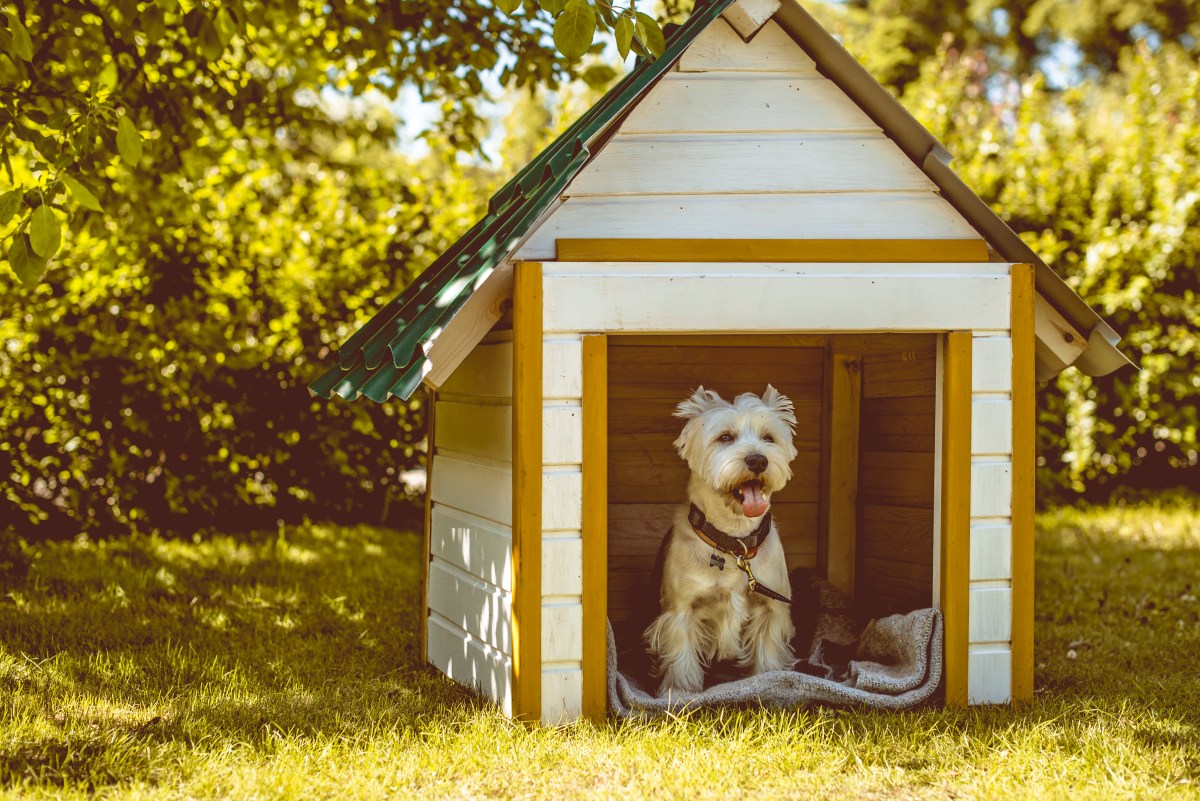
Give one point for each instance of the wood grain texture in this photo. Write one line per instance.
(993, 370)
(479, 314)
(1024, 436)
(482, 489)
(594, 687)
(562, 690)
(562, 368)
(991, 488)
(740, 164)
(772, 301)
(480, 547)
(427, 519)
(746, 17)
(991, 552)
(955, 529)
(855, 216)
(991, 426)
(989, 670)
(562, 434)
(482, 610)
(719, 48)
(841, 503)
(991, 615)
(470, 662)
(562, 565)
(773, 250)
(714, 103)
(485, 373)
(527, 492)
(475, 429)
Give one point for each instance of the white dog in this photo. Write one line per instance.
(724, 544)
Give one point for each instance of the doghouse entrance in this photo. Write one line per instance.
(893, 563)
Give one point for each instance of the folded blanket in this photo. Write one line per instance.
(896, 664)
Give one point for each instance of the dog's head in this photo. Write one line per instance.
(740, 449)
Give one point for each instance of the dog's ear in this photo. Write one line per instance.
(700, 402)
(781, 404)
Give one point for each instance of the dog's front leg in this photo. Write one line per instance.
(767, 637)
(675, 639)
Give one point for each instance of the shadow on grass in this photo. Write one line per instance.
(133, 660)
(115, 655)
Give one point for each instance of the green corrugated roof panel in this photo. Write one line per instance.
(385, 357)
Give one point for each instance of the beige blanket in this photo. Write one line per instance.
(897, 664)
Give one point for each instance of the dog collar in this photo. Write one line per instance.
(746, 546)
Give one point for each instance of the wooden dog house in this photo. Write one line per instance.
(751, 207)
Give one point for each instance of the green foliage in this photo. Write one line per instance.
(1099, 180)
(895, 37)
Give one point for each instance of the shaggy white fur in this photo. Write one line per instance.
(738, 454)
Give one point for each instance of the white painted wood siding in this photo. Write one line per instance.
(562, 520)
(853, 215)
(697, 165)
(719, 49)
(989, 660)
(634, 297)
(746, 140)
(470, 540)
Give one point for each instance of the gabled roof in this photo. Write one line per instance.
(387, 356)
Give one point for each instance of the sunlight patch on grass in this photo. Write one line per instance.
(286, 666)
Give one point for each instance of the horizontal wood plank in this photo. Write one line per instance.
(562, 368)
(991, 552)
(476, 429)
(739, 164)
(479, 547)
(562, 632)
(562, 696)
(719, 48)
(778, 300)
(991, 489)
(991, 364)
(689, 103)
(485, 372)
(857, 216)
(482, 610)
(484, 490)
(470, 662)
(990, 615)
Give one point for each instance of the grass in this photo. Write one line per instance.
(285, 665)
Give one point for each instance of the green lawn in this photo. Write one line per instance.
(285, 666)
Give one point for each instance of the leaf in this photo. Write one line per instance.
(22, 45)
(598, 76)
(10, 203)
(508, 6)
(129, 142)
(28, 266)
(209, 40)
(623, 30)
(574, 29)
(553, 7)
(45, 234)
(649, 34)
(83, 196)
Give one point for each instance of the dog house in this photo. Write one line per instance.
(751, 207)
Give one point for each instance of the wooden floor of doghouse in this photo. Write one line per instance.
(648, 377)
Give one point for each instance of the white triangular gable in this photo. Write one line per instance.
(747, 140)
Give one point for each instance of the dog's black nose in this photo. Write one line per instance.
(756, 462)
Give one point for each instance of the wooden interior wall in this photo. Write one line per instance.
(896, 480)
(647, 480)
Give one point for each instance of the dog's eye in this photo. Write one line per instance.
(725, 437)
(768, 438)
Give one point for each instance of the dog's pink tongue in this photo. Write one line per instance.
(753, 502)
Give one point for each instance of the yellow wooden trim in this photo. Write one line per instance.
(595, 527)
(527, 492)
(956, 511)
(849, 344)
(427, 536)
(841, 502)
(774, 250)
(1024, 415)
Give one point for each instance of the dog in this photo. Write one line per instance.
(724, 544)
